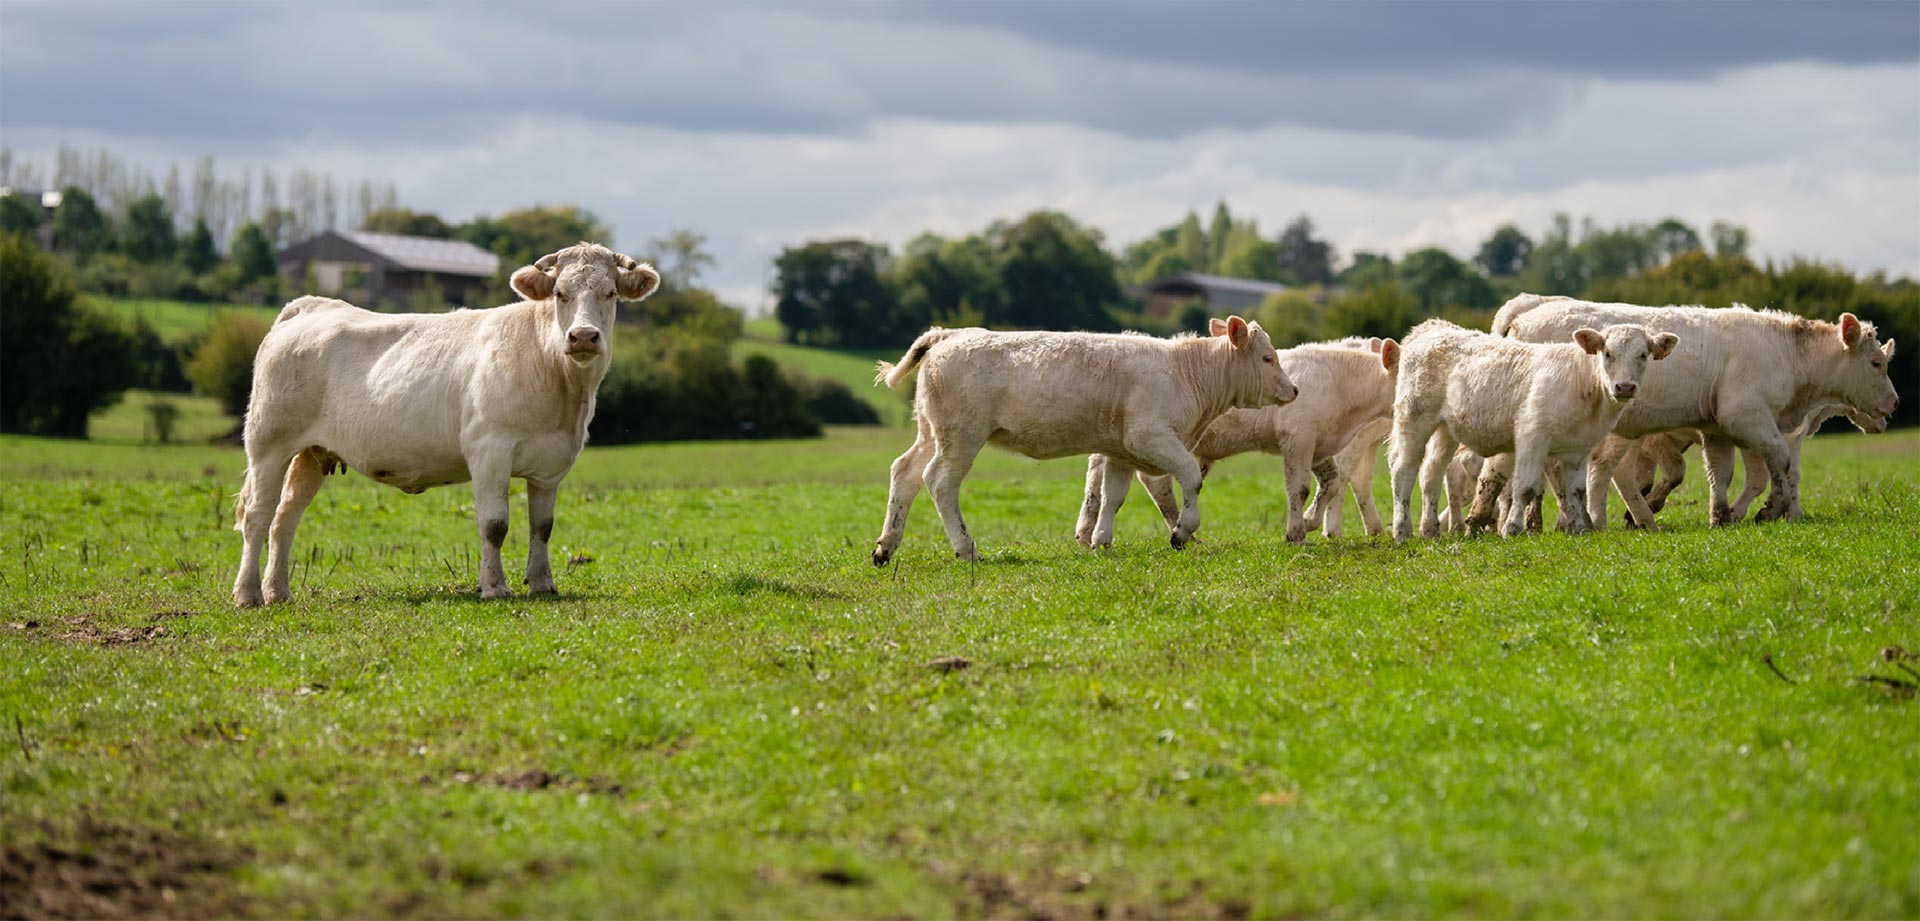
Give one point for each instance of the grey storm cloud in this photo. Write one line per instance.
(267, 74)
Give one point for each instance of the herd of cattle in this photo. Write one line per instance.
(1566, 394)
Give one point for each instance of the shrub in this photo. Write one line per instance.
(62, 361)
(222, 366)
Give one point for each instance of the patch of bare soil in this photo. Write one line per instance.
(99, 870)
(538, 779)
(1000, 895)
(83, 630)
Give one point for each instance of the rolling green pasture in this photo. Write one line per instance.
(730, 712)
(854, 368)
(176, 321)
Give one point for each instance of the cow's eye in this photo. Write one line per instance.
(1269, 359)
(563, 295)
(1876, 364)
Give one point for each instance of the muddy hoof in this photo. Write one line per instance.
(880, 557)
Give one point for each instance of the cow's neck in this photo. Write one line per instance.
(1810, 387)
(1209, 377)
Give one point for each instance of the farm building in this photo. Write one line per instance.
(1163, 297)
(389, 270)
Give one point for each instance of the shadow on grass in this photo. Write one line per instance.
(748, 584)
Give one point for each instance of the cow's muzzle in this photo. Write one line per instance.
(584, 343)
(1624, 390)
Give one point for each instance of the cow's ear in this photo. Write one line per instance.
(1849, 330)
(1376, 343)
(1664, 344)
(637, 280)
(1590, 339)
(1887, 347)
(535, 282)
(1389, 355)
(532, 283)
(1216, 327)
(1237, 332)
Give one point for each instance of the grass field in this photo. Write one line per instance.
(176, 321)
(730, 712)
(854, 367)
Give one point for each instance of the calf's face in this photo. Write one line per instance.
(1620, 356)
(1258, 378)
(586, 284)
(1862, 375)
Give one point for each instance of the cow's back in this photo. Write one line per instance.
(1720, 349)
(1049, 394)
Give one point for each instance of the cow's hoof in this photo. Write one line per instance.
(536, 590)
(1181, 539)
(279, 595)
(881, 555)
(247, 599)
(495, 593)
(968, 555)
(1297, 535)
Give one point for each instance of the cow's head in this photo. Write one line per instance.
(585, 281)
(1258, 380)
(1861, 379)
(1619, 356)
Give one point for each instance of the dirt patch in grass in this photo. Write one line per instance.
(83, 630)
(101, 870)
(539, 779)
(992, 894)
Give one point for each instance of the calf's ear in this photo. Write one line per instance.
(637, 279)
(1216, 327)
(1887, 347)
(535, 282)
(1849, 330)
(1390, 355)
(1663, 345)
(1237, 332)
(1590, 339)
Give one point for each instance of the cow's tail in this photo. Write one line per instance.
(240, 501)
(893, 375)
(1520, 304)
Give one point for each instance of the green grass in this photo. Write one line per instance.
(730, 712)
(175, 321)
(852, 367)
(130, 420)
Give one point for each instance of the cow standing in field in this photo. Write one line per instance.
(1538, 401)
(423, 400)
(1351, 469)
(1141, 401)
(1345, 386)
(1743, 378)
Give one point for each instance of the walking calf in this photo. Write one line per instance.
(1141, 401)
(1498, 395)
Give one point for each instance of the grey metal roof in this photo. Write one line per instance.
(1225, 283)
(426, 254)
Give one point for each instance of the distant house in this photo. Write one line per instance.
(387, 270)
(48, 202)
(1163, 297)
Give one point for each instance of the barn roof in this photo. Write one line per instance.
(427, 254)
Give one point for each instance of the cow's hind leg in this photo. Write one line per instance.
(1118, 478)
(258, 503)
(541, 499)
(304, 479)
(1160, 490)
(1433, 481)
(1753, 481)
(1329, 494)
(1716, 455)
(1163, 450)
(1407, 448)
(953, 456)
(909, 472)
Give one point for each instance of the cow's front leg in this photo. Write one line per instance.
(1753, 480)
(1090, 499)
(491, 466)
(1601, 465)
(1298, 473)
(1529, 465)
(1572, 489)
(1716, 455)
(541, 498)
(1164, 451)
(1116, 479)
(1328, 496)
(1495, 474)
(1160, 490)
(1407, 448)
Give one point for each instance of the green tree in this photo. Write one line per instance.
(1303, 259)
(407, 222)
(1245, 255)
(253, 253)
(1056, 273)
(1556, 266)
(19, 214)
(1672, 237)
(1504, 254)
(1436, 280)
(945, 282)
(1616, 252)
(520, 237)
(1381, 310)
(683, 256)
(79, 226)
(1728, 239)
(196, 251)
(833, 292)
(147, 235)
(1368, 269)
(63, 361)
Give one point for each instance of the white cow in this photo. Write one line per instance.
(1744, 377)
(1494, 395)
(1345, 386)
(1351, 469)
(1664, 453)
(423, 400)
(1141, 401)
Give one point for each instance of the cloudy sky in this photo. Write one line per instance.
(1393, 125)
